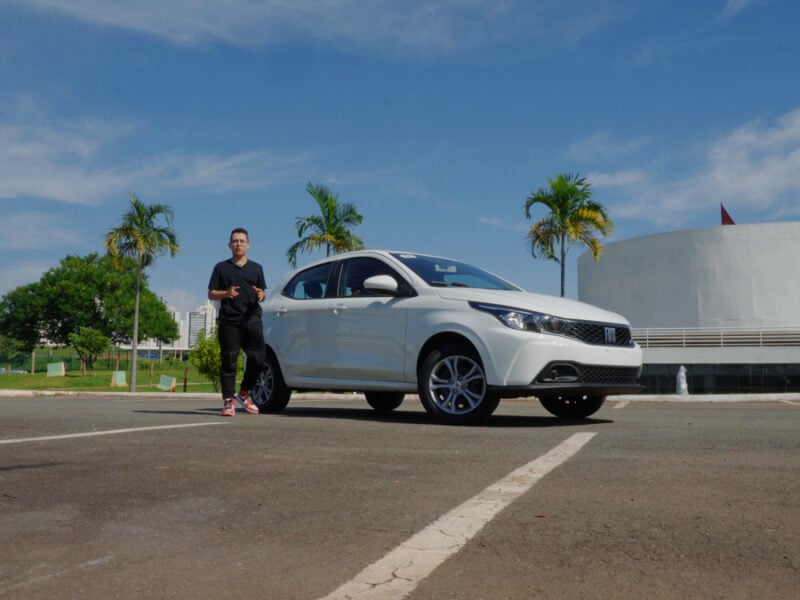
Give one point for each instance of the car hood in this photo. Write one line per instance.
(552, 305)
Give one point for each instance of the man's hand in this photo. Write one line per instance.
(259, 293)
(233, 291)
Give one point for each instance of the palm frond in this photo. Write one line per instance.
(572, 218)
(330, 229)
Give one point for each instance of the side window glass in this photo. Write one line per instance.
(309, 284)
(357, 270)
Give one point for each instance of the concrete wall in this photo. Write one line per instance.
(725, 276)
(720, 356)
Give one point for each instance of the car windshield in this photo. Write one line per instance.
(443, 272)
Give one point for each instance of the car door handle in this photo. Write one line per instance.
(339, 308)
(280, 312)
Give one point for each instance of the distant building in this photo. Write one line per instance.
(721, 301)
(180, 342)
(203, 318)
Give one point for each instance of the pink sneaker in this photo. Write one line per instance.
(227, 408)
(243, 398)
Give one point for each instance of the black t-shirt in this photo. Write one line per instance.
(245, 306)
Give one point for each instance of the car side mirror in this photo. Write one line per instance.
(382, 284)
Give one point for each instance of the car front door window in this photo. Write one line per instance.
(371, 327)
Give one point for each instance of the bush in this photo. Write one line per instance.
(206, 358)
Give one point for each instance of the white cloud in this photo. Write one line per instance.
(21, 274)
(755, 166)
(500, 223)
(386, 26)
(64, 162)
(56, 161)
(27, 230)
(603, 145)
(616, 179)
(697, 38)
(733, 7)
(220, 174)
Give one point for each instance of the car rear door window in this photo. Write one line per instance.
(309, 284)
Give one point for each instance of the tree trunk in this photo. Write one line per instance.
(563, 261)
(135, 338)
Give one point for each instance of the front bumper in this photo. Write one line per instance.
(561, 378)
(527, 361)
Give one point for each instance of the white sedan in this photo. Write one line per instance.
(389, 324)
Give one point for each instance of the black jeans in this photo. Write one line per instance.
(233, 338)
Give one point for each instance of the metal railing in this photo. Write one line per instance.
(717, 337)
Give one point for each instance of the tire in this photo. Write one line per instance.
(384, 401)
(270, 392)
(452, 386)
(573, 407)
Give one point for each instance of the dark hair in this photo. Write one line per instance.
(240, 230)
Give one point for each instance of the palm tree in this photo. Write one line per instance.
(573, 219)
(330, 229)
(139, 236)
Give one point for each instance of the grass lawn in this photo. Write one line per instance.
(100, 381)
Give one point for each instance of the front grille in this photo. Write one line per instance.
(573, 373)
(610, 375)
(595, 333)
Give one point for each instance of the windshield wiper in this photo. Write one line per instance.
(445, 284)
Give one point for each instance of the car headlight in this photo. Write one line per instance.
(524, 320)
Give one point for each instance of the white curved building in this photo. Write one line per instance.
(716, 299)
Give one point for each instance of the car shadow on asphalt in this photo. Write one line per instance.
(410, 417)
(29, 466)
(423, 418)
(198, 412)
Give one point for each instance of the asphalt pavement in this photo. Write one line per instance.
(156, 496)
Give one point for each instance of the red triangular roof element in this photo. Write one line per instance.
(726, 218)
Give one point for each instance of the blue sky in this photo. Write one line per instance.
(436, 119)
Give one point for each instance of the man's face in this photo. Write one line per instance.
(239, 244)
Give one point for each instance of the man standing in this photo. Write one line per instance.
(238, 284)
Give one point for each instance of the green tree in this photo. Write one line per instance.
(155, 321)
(141, 236)
(572, 218)
(206, 358)
(11, 350)
(330, 229)
(83, 292)
(89, 343)
(20, 316)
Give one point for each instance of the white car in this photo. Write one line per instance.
(389, 324)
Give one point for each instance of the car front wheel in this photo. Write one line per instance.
(270, 392)
(573, 407)
(453, 388)
(384, 401)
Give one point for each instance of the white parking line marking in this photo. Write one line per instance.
(791, 402)
(106, 432)
(35, 580)
(399, 572)
(621, 404)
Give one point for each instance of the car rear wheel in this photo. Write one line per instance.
(452, 386)
(573, 407)
(270, 392)
(384, 401)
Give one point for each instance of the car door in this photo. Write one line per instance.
(370, 329)
(301, 326)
